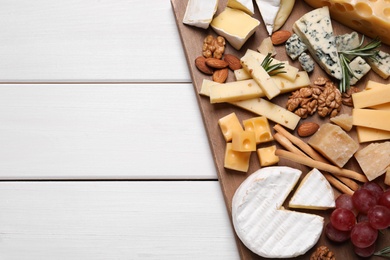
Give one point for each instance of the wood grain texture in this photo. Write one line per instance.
(114, 220)
(192, 38)
(90, 41)
(102, 131)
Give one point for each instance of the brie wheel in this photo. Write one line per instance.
(314, 192)
(263, 225)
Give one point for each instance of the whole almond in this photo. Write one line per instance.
(200, 63)
(233, 61)
(220, 75)
(307, 129)
(280, 37)
(216, 63)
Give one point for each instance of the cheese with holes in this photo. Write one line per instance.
(234, 160)
(200, 13)
(366, 134)
(334, 143)
(314, 192)
(229, 124)
(267, 156)
(273, 112)
(263, 225)
(235, 25)
(260, 126)
(244, 5)
(315, 30)
(365, 16)
(244, 141)
(374, 159)
(372, 118)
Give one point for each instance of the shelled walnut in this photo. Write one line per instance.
(347, 96)
(323, 253)
(322, 97)
(213, 47)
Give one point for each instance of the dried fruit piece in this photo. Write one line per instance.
(233, 62)
(200, 63)
(220, 75)
(280, 37)
(307, 129)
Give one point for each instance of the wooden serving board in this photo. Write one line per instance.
(192, 39)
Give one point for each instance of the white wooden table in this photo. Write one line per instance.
(103, 153)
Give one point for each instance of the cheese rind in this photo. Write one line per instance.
(200, 13)
(244, 5)
(235, 25)
(261, 224)
(314, 192)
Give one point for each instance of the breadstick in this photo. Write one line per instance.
(285, 142)
(320, 165)
(338, 184)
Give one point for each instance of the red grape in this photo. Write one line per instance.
(375, 189)
(363, 200)
(362, 217)
(363, 235)
(342, 219)
(365, 252)
(379, 217)
(385, 199)
(336, 235)
(344, 201)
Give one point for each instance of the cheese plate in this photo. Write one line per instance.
(192, 40)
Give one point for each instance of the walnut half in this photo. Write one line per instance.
(323, 253)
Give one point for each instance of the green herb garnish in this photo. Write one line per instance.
(274, 69)
(385, 252)
(367, 51)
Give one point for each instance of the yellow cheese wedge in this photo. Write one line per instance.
(366, 134)
(235, 25)
(372, 97)
(378, 119)
(267, 156)
(365, 16)
(229, 124)
(234, 160)
(235, 91)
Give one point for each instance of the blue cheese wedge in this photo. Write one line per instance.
(307, 63)
(348, 41)
(263, 225)
(295, 47)
(235, 25)
(314, 192)
(315, 30)
(199, 13)
(381, 64)
(359, 68)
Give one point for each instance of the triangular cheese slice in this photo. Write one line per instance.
(314, 192)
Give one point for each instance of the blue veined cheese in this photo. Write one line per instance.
(381, 64)
(359, 68)
(200, 13)
(315, 30)
(348, 41)
(295, 46)
(306, 62)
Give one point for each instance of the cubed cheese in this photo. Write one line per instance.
(234, 160)
(267, 156)
(260, 126)
(244, 141)
(229, 124)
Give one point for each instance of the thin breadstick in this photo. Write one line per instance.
(312, 153)
(347, 188)
(320, 165)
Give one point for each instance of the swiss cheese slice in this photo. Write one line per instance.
(314, 192)
(261, 223)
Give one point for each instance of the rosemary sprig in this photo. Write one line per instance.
(367, 51)
(272, 69)
(385, 252)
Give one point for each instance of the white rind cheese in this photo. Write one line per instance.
(244, 5)
(200, 13)
(314, 192)
(268, 10)
(261, 223)
(315, 30)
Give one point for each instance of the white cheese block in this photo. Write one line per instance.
(235, 25)
(261, 223)
(200, 13)
(268, 10)
(314, 192)
(315, 30)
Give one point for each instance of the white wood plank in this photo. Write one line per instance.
(90, 40)
(114, 220)
(109, 131)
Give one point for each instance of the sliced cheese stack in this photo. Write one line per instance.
(365, 16)
(314, 192)
(200, 13)
(261, 223)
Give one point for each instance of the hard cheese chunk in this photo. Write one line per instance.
(343, 120)
(315, 30)
(378, 119)
(244, 141)
(374, 159)
(229, 124)
(200, 13)
(334, 143)
(235, 25)
(367, 17)
(260, 126)
(234, 160)
(235, 91)
(267, 156)
(261, 224)
(366, 134)
(379, 94)
(314, 192)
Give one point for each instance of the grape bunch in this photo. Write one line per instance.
(359, 217)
